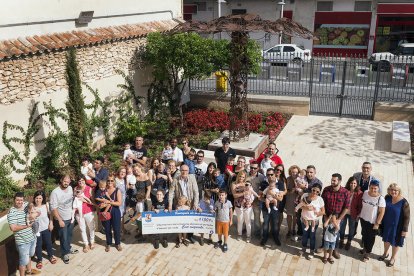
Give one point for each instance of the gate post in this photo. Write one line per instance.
(342, 88)
(312, 63)
(376, 90)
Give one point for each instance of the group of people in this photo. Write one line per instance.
(258, 193)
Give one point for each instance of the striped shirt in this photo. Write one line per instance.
(18, 217)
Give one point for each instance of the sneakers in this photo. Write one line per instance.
(269, 210)
(164, 243)
(225, 248)
(311, 255)
(157, 244)
(274, 208)
(294, 238)
(65, 259)
(238, 237)
(248, 239)
(191, 239)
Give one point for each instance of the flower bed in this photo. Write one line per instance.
(199, 120)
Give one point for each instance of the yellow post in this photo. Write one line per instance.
(221, 81)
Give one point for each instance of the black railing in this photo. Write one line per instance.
(347, 85)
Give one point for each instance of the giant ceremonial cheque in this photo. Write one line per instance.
(178, 222)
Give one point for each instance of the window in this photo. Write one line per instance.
(324, 6)
(288, 49)
(238, 11)
(362, 6)
(275, 49)
(202, 6)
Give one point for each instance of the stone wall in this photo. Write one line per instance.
(28, 77)
(258, 103)
(388, 112)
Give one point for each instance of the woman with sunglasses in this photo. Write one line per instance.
(114, 224)
(395, 222)
(281, 185)
(318, 206)
(186, 148)
(351, 218)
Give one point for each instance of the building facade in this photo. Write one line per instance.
(35, 36)
(344, 26)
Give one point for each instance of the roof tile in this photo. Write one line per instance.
(50, 42)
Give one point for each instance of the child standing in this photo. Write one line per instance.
(182, 205)
(266, 162)
(224, 219)
(207, 206)
(331, 233)
(269, 198)
(160, 206)
(190, 161)
(85, 168)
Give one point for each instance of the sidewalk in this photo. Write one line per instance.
(332, 145)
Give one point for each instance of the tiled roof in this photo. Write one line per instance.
(56, 41)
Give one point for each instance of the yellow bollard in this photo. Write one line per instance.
(221, 81)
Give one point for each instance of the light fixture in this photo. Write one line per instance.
(85, 17)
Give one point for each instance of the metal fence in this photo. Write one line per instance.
(344, 86)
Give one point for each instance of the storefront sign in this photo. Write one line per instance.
(178, 222)
(386, 30)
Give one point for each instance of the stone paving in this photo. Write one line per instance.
(332, 145)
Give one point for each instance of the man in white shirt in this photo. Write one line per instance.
(178, 153)
(61, 200)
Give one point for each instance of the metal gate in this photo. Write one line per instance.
(336, 86)
(349, 87)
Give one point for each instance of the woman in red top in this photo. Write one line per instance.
(87, 217)
(352, 215)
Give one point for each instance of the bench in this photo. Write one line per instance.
(400, 141)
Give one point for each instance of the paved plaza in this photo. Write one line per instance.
(332, 145)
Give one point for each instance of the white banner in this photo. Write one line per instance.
(178, 222)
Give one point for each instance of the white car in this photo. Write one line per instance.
(285, 53)
(404, 54)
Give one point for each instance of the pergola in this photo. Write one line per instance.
(240, 26)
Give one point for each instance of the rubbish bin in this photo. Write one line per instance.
(294, 71)
(362, 75)
(221, 81)
(399, 75)
(327, 73)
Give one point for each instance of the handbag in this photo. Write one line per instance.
(105, 216)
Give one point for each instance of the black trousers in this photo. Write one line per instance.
(368, 235)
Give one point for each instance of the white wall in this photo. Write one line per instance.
(25, 11)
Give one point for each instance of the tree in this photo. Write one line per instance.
(77, 120)
(176, 58)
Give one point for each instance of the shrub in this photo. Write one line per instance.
(199, 120)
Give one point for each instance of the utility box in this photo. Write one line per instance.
(362, 75)
(221, 81)
(294, 71)
(399, 75)
(327, 73)
(264, 72)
